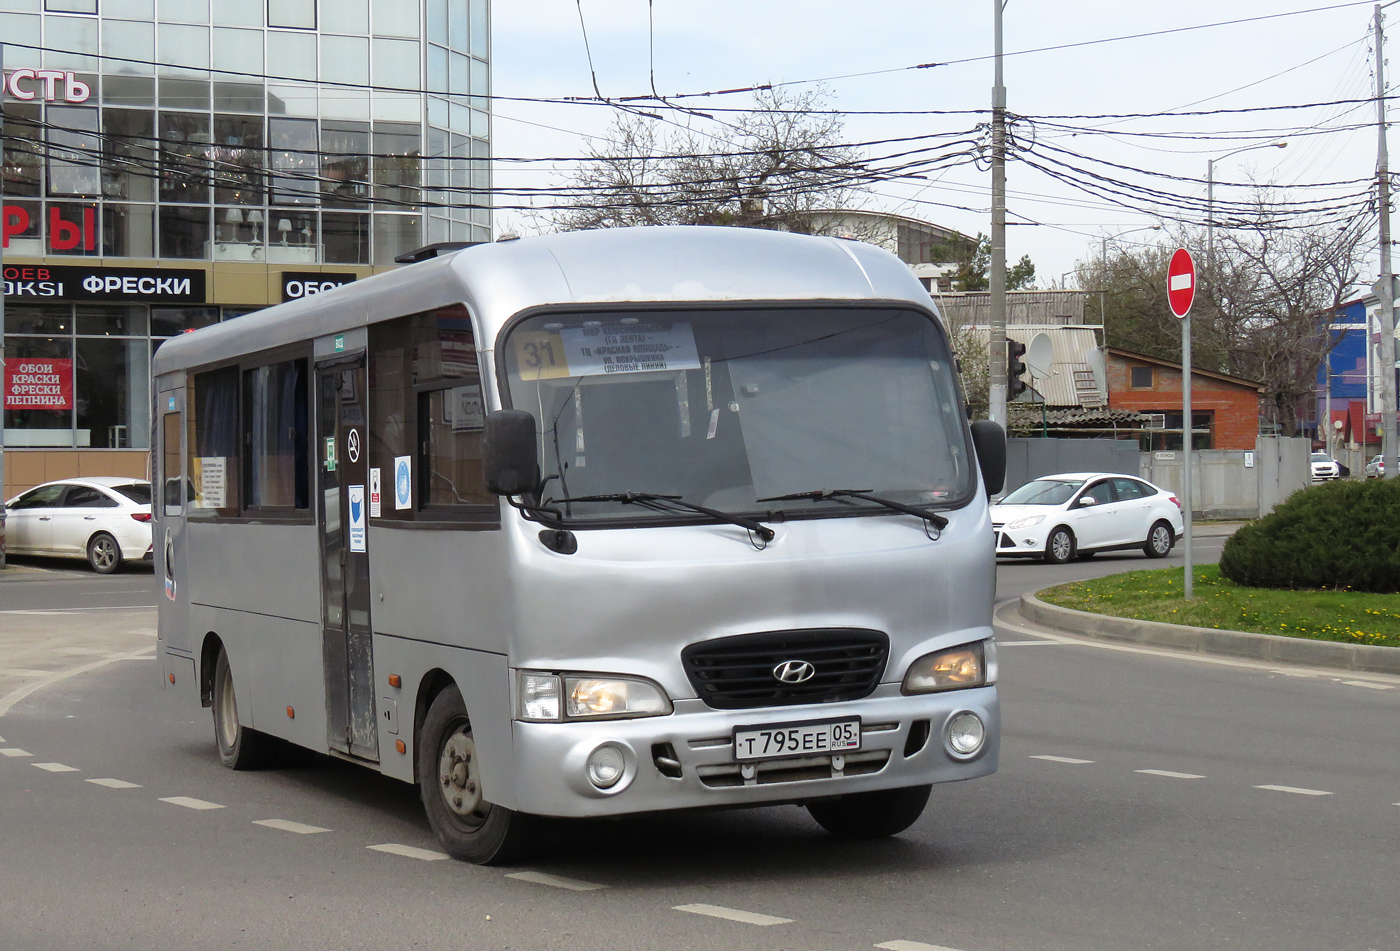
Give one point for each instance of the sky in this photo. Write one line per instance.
(1314, 57)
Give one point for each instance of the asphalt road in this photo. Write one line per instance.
(1144, 801)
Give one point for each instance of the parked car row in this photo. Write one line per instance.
(104, 519)
(1078, 514)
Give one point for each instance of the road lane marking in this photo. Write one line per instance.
(912, 946)
(287, 825)
(115, 783)
(189, 803)
(1367, 683)
(1064, 759)
(1170, 774)
(14, 751)
(733, 914)
(1298, 790)
(557, 881)
(15, 696)
(408, 851)
(55, 767)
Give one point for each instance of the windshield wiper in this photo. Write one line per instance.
(817, 495)
(657, 503)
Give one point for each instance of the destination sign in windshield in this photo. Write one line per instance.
(596, 349)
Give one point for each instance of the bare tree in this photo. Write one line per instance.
(777, 166)
(1263, 307)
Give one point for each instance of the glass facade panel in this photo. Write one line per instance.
(74, 151)
(24, 227)
(238, 234)
(24, 150)
(345, 238)
(395, 234)
(170, 321)
(292, 235)
(396, 63)
(70, 43)
(20, 28)
(238, 51)
(294, 14)
(131, 41)
(184, 156)
(437, 21)
(184, 232)
(480, 29)
(236, 158)
(345, 16)
(185, 11)
(128, 231)
(344, 59)
(128, 91)
(437, 69)
(458, 31)
(396, 163)
(40, 319)
(238, 12)
(345, 164)
(177, 93)
(395, 18)
(184, 45)
(51, 428)
(129, 155)
(129, 9)
(293, 53)
(112, 393)
(111, 320)
(72, 228)
(294, 160)
(71, 6)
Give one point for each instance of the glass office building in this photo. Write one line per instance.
(172, 163)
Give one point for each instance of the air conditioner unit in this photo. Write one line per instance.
(1155, 421)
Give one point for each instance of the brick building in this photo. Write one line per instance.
(1224, 409)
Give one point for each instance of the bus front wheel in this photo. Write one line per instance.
(871, 815)
(239, 746)
(449, 778)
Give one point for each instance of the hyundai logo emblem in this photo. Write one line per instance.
(794, 672)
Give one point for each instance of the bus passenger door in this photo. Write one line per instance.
(341, 448)
(169, 498)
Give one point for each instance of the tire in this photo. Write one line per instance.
(449, 780)
(1160, 540)
(1060, 546)
(104, 555)
(239, 746)
(871, 815)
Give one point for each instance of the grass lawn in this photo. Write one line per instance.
(1351, 617)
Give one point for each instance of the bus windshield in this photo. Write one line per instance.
(729, 408)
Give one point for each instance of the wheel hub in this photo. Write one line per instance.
(457, 773)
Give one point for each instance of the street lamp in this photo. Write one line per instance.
(1210, 197)
(1103, 259)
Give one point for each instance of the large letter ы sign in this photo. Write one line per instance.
(38, 384)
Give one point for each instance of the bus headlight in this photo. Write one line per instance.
(971, 665)
(545, 697)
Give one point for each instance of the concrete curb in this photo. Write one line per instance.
(1206, 640)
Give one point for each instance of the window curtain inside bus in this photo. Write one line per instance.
(213, 461)
(277, 412)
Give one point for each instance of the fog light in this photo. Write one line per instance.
(966, 733)
(606, 766)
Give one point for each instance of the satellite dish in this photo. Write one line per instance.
(1040, 355)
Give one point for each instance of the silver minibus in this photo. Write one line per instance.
(590, 524)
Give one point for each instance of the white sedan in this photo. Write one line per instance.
(1059, 517)
(105, 519)
(1324, 467)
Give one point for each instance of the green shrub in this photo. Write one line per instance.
(1339, 535)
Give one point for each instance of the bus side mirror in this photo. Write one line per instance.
(510, 453)
(990, 442)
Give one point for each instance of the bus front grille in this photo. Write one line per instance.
(735, 673)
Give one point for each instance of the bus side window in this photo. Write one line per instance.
(170, 463)
(213, 456)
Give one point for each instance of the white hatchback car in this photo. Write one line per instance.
(1059, 517)
(1324, 467)
(105, 519)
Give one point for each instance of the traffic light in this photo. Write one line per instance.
(1015, 366)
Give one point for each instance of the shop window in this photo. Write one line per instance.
(111, 320)
(129, 154)
(184, 232)
(129, 231)
(237, 159)
(39, 319)
(344, 164)
(75, 151)
(395, 234)
(292, 236)
(426, 404)
(169, 321)
(292, 14)
(46, 424)
(184, 161)
(1140, 378)
(112, 393)
(345, 238)
(24, 150)
(276, 474)
(294, 160)
(213, 444)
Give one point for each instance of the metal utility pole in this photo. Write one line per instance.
(996, 365)
(1385, 285)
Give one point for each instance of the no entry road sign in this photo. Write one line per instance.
(1181, 282)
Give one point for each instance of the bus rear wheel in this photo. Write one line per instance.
(871, 815)
(239, 746)
(449, 778)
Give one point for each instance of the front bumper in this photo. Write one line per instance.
(553, 781)
(1023, 541)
